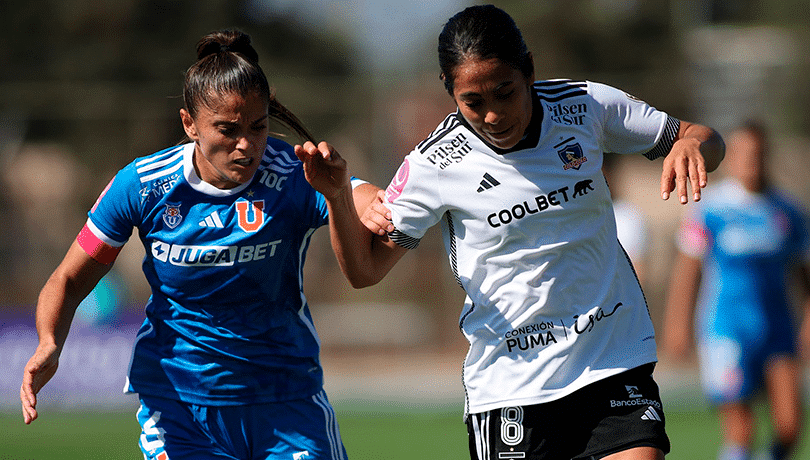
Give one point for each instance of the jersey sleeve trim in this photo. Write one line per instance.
(667, 140)
(407, 242)
(357, 182)
(96, 247)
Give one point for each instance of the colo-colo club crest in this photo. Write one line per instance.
(571, 154)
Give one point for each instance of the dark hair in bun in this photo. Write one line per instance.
(228, 63)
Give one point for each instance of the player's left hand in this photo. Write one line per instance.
(324, 168)
(684, 168)
(377, 218)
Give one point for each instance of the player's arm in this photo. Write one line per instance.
(697, 150)
(70, 283)
(363, 257)
(680, 305)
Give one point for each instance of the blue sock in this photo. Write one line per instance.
(734, 452)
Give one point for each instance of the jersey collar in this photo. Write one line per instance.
(200, 185)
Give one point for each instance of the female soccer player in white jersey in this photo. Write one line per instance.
(562, 348)
(226, 364)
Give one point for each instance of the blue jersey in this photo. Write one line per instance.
(227, 322)
(749, 243)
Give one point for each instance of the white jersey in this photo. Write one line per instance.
(631, 227)
(552, 302)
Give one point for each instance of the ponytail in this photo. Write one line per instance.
(227, 62)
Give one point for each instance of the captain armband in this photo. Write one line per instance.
(96, 248)
(407, 242)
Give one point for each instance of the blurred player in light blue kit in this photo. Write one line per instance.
(739, 252)
(226, 364)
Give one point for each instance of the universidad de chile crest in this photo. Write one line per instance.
(172, 216)
(571, 154)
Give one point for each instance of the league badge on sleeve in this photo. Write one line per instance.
(397, 184)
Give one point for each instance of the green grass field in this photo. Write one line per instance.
(369, 432)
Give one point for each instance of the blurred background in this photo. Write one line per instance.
(88, 85)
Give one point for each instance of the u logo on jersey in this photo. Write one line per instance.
(172, 216)
(251, 215)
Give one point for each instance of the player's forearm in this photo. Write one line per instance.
(55, 311)
(351, 241)
(67, 286)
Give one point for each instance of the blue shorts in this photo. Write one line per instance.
(303, 429)
(732, 368)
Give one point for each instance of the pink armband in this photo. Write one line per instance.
(100, 251)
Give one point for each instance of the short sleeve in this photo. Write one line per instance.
(414, 200)
(116, 210)
(630, 125)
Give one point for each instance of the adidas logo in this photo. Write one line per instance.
(212, 221)
(651, 414)
(487, 183)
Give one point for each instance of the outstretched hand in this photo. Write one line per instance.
(684, 168)
(697, 151)
(324, 168)
(38, 371)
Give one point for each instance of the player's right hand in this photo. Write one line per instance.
(324, 168)
(38, 371)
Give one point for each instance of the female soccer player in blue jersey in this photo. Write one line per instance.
(226, 364)
(562, 347)
(740, 252)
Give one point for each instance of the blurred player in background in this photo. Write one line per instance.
(562, 347)
(226, 364)
(739, 251)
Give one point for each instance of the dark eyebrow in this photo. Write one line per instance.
(261, 119)
(231, 123)
(497, 88)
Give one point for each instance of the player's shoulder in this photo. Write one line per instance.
(161, 164)
(279, 158)
(449, 129)
(582, 92)
(276, 145)
(448, 144)
(560, 89)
